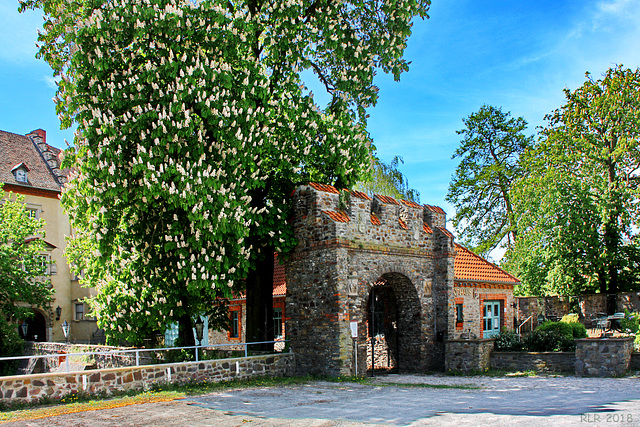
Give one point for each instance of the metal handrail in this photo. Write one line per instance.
(522, 324)
(145, 350)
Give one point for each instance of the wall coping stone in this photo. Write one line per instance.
(621, 339)
(129, 368)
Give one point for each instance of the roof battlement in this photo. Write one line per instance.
(323, 214)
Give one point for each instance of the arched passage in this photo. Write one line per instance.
(36, 327)
(394, 325)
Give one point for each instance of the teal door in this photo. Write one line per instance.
(491, 319)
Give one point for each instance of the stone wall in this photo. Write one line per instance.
(603, 357)
(538, 362)
(57, 385)
(468, 355)
(349, 246)
(586, 306)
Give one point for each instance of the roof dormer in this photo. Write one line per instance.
(20, 172)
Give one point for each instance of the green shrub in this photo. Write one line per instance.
(559, 327)
(10, 345)
(570, 318)
(549, 340)
(631, 325)
(578, 329)
(507, 340)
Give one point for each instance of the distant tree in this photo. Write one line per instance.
(480, 188)
(387, 179)
(194, 126)
(578, 205)
(23, 284)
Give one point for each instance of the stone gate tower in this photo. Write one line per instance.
(383, 263)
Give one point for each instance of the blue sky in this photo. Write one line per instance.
(512, 54)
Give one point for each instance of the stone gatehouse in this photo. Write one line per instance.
(387, 265)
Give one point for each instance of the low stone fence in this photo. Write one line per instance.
(603, 357)
(57, 385)
(468, 355)
(553, 361)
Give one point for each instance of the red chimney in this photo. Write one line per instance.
(41, 133)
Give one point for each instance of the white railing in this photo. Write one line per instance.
(137, 352)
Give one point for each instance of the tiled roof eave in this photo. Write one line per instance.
(15, 184)
(489, 282)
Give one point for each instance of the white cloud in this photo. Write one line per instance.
(52, 82)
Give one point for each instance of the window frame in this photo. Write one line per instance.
(75, 311)
(235, 323)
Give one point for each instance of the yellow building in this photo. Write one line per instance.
(31, 167)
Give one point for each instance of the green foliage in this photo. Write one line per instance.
(508, 340)
(386, 179)
(480, 189)
(10, 345)
(559, 327)
(23, 283)
(631, 324)
(194, 126)
(577, 204)
(570, 318)
(548, 340)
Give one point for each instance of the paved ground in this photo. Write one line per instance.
(535, 401)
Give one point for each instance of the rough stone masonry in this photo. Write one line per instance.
(350, 247)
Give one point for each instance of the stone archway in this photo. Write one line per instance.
(36, 327)
(394, 325)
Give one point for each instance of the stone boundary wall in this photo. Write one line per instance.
(603, 357)
(468, 355)
(529, 361)
(587, 306)
(57, 385)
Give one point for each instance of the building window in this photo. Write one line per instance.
(21, 175)
(235, 314)
(32, 213)
(45, 263)
(491, 319)
(79, 311)
(459, 313)
(277, 322)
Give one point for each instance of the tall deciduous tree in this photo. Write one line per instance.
(490, 150)
(194, 125)
(580, 202)
(23, 284)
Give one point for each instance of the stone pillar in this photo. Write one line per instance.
(609, 357)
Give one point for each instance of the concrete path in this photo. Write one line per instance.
(501, 401)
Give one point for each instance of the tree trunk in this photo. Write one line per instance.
(185, 331)
(259, 289)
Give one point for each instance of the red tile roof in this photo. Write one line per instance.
(436, 209)
(403, 224)
(387, 199)
(360, 195)
(337, 216)
(16, 149)
(324, 187)
(375, 220)
(426, 228)
(445, 232)
(471, 267)
(411, 204)
(279, 280)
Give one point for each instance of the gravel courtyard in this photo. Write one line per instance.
(393, 400)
